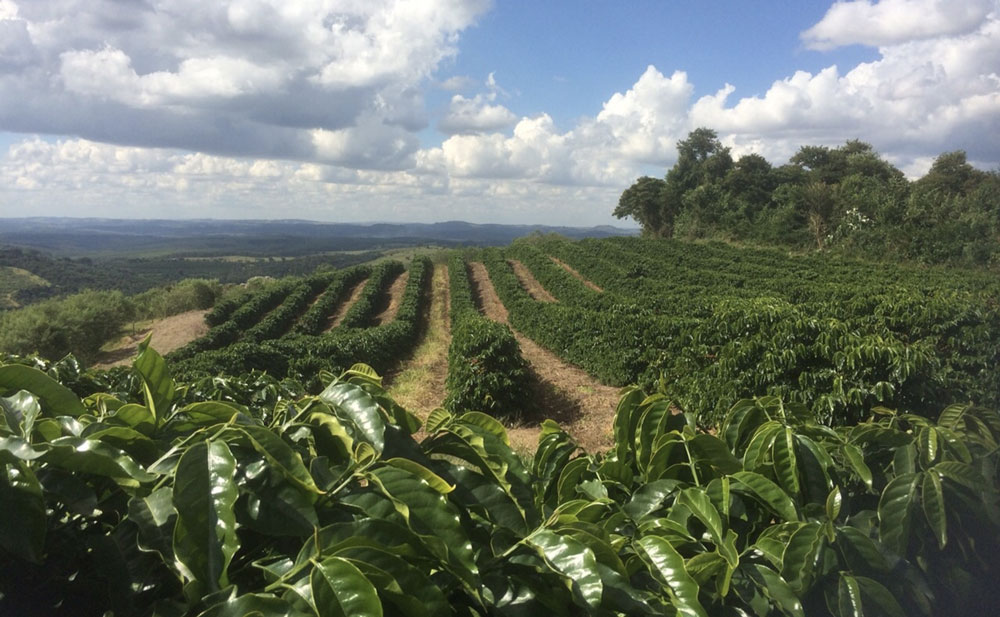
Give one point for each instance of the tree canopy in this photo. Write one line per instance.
(846, 198)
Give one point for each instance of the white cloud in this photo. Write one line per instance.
(190, 107)
(250, 77)
(646, 121)
(477, 114)
(457, 83)
(920, 98)
(891, 22)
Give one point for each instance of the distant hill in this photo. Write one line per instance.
(104, 237)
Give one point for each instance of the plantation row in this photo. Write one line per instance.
(710, 324)
(150, 496)
(277, 331)
(704, 324)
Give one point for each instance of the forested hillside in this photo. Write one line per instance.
(847, 199)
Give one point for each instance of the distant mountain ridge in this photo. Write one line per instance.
(82, 236)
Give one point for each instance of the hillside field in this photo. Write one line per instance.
(617, 426)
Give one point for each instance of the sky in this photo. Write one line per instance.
(511, 111)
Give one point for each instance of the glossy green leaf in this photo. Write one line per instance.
(353, 404)
(208, 413)
(668, 565)
(649, 498)
(409, 589)
(963, 474)
(932, 498)
(743, 417)
(927, 445)
(205, 492)
(626, 420)
(813, 462)
(13, 449)
(767, 493)
(953, 415)
(572, 559)
(437, 419)
(127, 439)
(154, 515)
(433, 480)
(56, 398)
(252, 605)
(428, 513)
(487, 423)
(156, 382)
(478, 493)
(338, 446)
(799, 559)
(861, 552)
(712, 450)
(19, 412)
(570, 477)
(894, 510)
(856, 460)
(779, 591)
(339, 589)
(849, 597)
(701, 506)
(78, 454)
(280, 455)
(833, 503)
(135, 416)
(761, 444)
(649, 429)
(874, 593)
(786, 462)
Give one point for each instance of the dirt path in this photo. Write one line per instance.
(530, 283)
(576, 274)
(341, 312)
(419, 384)
(583, 406)
(169, 334)
(395, 298)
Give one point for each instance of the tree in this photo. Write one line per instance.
(819, 204)
(951, 175)
(750, 184)
(701, 158)
(646, 202)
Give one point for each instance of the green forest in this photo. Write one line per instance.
(846, 199)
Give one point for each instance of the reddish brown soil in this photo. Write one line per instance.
(583, 406)
(576, 274)
(530, 283)
(169, 334)
(338, 315)
(395, 298)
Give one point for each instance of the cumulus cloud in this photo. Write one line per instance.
(268, 74)
(320, 104)
(477, 114)
(922, 96)
(636, 128)
(890, 22)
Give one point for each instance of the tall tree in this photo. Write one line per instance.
(646, 202)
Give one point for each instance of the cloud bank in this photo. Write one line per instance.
(258, 108)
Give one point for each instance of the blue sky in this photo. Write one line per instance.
(425, 110)
(564, 58)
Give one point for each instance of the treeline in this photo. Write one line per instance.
(81, 323)
(133, 275)
(845, 199)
